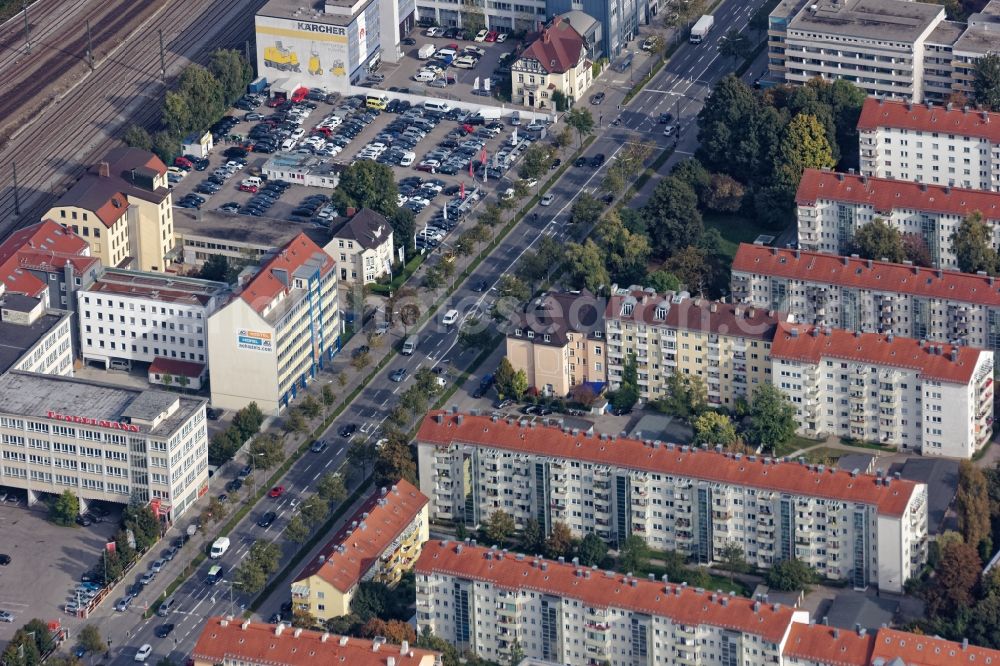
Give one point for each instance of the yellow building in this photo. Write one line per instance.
(380, 542)
(558, 340)
(363, 248)
(282, 328)
(122, 208)
(555, 62)
(727, 345)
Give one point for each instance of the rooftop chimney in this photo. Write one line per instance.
(103, 169)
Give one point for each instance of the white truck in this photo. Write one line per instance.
(701, 28)
(219, 548)
(426, 51)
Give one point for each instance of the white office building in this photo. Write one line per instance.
(831, 207)
(863, 530)
(133, 316)
(873, 296)
(928, 143)
(931, 398)
(102, 442)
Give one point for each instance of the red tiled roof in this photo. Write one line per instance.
(696, 314)
(261, 644)
(176, 367)
(884, 195)
(46, 245)
(867, 274)
(827, 645)
(265, 286)
(916, 650)
(388, 516)
(692, 463)
(682, 604)
(557, 49)
(797, 342)
(878, 112)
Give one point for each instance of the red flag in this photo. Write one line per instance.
(461, 190)
(111, 547)
(472, 173)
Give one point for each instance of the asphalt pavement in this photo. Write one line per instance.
(678, 88)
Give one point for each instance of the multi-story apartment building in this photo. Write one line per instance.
(138, 317)
(282, 328)
(365, 247)
(889, 48)
(873, 296)
(555, 62)
(34, 338)
(102, 442)
(122, 208)
(938, 145)
(561, 613)
(226, 642)
(932, 398)
(487, 600)
(558, 340)
(848, 526)
(831, 207)
(380, 542)
(725, 344)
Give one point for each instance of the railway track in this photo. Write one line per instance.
(71, 132)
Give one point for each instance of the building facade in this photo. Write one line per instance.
(134, 316)
(379, 543)
(933, 144)
(726, 345)
(863, 530)
(889, 48)
(300, 169)
(363, 248)
(281, 329)
(122, 208)
(555, 62)
(34, 338)
(102, 442)
(871, 296)
(931, 398)
(563, 613)
(226, 642)
(557, 339)
(831, 207)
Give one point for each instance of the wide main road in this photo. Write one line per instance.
(438, 346)
(76, 128)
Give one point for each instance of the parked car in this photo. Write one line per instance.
(143, 653)
(6, 616)
(277, 491)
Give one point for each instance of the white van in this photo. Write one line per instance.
(450, 317)
(410, 345)
(252, 181)
(435, 105)
(423, 76)
(219, 548)
(446, 53)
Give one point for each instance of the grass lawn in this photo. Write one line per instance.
(824, 454)
(794, 444)
(735, 229)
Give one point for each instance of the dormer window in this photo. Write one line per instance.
(661, 312)
(518, 332)
(546, 338)
(531, 334)
(627, 309)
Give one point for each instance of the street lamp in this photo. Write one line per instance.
(253, 471)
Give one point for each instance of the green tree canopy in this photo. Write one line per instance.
(972, 504)
(791, 575)
(986, 84)
(625, 253)
(711, 428)
(687, 396)
(204, 95)
(581, 120)
(232, 72)
(137, 137)
(672, 216)
(634, 555)
(331, 487)
(393, 462)
(592, 550)
(367, 184)
(973, 247)
(877, 240)
(65, 508)
(585, 266)
(499, 526)
(772, 417)
(804, 145)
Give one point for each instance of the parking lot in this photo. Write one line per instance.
(351, 131)
(46, 563)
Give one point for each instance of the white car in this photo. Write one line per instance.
(501, 38)
(299, 133)
(547, 200)
(474, 51)
(465, 62)
(424, 76)
(669, 130)
(407, 159)
(530, 182)
(434, 32)
(450, 317)
(288, 144)
(143, 653)
(481, 35)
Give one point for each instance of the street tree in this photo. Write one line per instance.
(393, 461)
(734, 44)
(877, 240)
(986, 84)
(267, 450)
(971, 243)
(499, 527)
(314, 510)
(90, 638)
(582, 122)
(475, 333)
(296, 530)
(585, 267)
(361, 454)
(586, 210)
(537, 160)
(331, 487)
(295, 422)
(772, 417)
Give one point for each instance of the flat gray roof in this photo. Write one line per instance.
(883, 20)
(17, 339)
(314, 11)
(264, 232)
(34, 396)
(983, 33)
(946, 33)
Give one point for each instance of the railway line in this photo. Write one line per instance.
(74, 129)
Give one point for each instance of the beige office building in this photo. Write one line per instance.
(102, 442)
(281, 329)
(558, 340)
(724, 344)
(363, 248)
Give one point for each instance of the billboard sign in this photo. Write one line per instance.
(317, 53)
(258, 341)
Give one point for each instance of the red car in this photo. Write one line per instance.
(299, 94)
(491, 36)
(453, 46)
(252, 189)
(184, 163)
(276, 101)
(277, 491)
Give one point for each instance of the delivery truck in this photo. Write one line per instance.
(701, 28)
(426, 51)
(257, 86)
(219, 548)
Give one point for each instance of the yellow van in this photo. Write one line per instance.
(377, 102)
